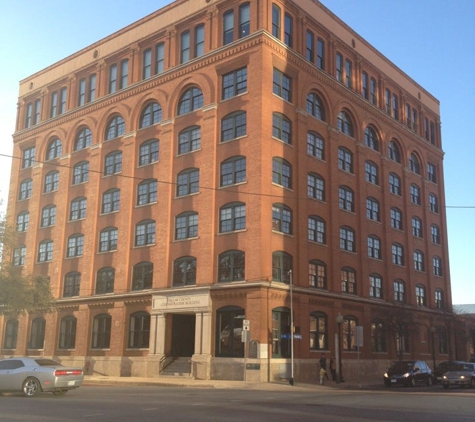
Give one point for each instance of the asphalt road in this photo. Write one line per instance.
(140, 404)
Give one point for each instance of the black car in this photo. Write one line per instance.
(408, 373)
(444, 367)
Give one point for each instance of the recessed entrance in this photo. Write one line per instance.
(183, 335)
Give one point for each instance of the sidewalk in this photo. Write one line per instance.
(220, 384)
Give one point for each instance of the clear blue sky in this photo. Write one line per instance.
(430, 40)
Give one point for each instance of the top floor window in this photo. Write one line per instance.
(153, 61)
(192, 99)
(288, 30)
(276, 21)
(244, 20)
(199, 40)
(373, 92)
(228, 27)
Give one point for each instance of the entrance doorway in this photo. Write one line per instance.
(183, 335)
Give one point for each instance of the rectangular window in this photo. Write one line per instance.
(199, 40)
(288, 28)
(234, 83)
(54, 105)
(374, 95)
(124, 73)
(29, 111)
(185, 47)
(282, 85)
(426, 128)
(62, 104)
(415, 120)
(28, 157)
(37, 112)
(432, 133)
(244, 20)
(321, 54)
(364, 85)
(387, 97)
(395, 107)
(91, 96)
(339, 67)
(112, 78)
(349, 74)
(408, 116)
(276, 21)
(147, 64)
(310, 55)
(82, 92)
(160, 58)
(228, 27)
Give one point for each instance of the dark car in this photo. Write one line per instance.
(408, 373)
(443, 367)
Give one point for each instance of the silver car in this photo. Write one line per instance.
(33, 375)
(462, 374)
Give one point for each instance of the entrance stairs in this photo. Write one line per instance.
(180, 367)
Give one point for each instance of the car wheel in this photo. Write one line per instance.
(413, 381)
(429, 381)
(446, 386)
(60, 392)
(30, 387)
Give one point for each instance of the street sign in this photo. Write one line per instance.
(246, 325)
(359, 336)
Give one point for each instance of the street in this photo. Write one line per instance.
(139, 404)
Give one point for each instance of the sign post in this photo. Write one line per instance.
(359, 343)
(245, 337)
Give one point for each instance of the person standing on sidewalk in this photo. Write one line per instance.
(333, 367)
(323, 365)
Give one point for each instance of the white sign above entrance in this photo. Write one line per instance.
(174, 302)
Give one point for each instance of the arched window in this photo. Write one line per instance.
(281, 172)
(45, 251)
(115, 128)
(345, 160)
(316, 186)
(192, 99)
(375, 286)
(51, 181)
(108, 239)
(433, 203)
(282, 264)
(54, 149)
(282, 218)
(188, 182)
(318, 331)
(396, 218)
(345, 124)
(101, 331)
(374, 247)
(232, 217)
(233, 126)
(110, 201)
(416, 227)
(147, 192)
(437, 266)
(317, 229)
(72, 283)
(347, 239)
(371, 173)
(228, 332)
(394, 184)
(346, 198)
(142, 277)
(397, 252)
(149, 152)
(348, 280)
(315, 145)
(184, 271)
(48, 216)
(145, 233)
(151, 115)
(315, 106)
(419, 261)
(414, 164)
(317, 274)
(81, 172)
(67, 333)
(113, 163)
(372, 209)
(83, 138)
(371, 138)
(231, 265)
(22, 221)
(75, 245)
(282, 128)
(189, 140)
(139, 330)
(394, 152)
(439, 299)
(186, 225)
(399, 291)
(25, 189)
(415, 193)
(435, 234)
(105, 280)
(233, 171)
(421, 295)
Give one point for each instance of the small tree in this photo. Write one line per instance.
(20, 294)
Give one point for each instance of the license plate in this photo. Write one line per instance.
(394, 380)
(71, 382)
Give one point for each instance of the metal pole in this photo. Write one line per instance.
(291, 381)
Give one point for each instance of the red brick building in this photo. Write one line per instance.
(194, 169)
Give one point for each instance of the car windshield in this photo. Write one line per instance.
(401, 367)
(47, 362)
(463, 367)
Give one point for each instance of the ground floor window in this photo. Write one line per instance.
(67, 333)
(139, 330)
(281, 333)
(11, 334)
(228, 332)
